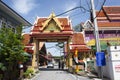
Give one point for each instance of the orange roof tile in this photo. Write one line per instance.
(29, 46)
(109, 10)
(80, 49)
(112, 9)
(78, 38)
(26, 38)
(64, 21)
(78, 42)
(43, 19)
(109, 24)
(109, 16)
(43, 31)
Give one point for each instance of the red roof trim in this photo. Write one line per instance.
(80, 50)
(78, 44)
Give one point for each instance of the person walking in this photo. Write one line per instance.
(59, 65)
(62, 64)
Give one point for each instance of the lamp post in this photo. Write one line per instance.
(96, 32)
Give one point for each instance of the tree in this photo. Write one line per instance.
(78, 28)
(11, 50)
(60, 46)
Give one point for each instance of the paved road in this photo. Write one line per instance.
(55, 74)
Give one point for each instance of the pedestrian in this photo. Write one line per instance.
(59, 64)
(62, 64)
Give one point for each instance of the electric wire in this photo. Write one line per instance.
(88, 5)
(100, 9)
(82, 10)
(78, 7)
(72, 10)
(66, 12)
(77, 14)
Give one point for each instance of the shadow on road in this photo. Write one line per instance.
(51, 69)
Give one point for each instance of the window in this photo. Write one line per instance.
(3, 24)
(0, 23)
(13, 29)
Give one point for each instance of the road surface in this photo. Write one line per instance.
(55, 74)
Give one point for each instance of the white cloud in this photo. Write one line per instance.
(70, 5)
(24, 6)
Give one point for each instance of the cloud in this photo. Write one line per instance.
(70, 5)
(24, 6)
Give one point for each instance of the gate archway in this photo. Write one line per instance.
(50, 29)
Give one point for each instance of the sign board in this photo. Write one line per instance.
(117, 68)
(115, 74)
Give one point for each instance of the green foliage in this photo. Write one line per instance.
(78, 28)
(28, 73)
(11, 50)
(10, 46)
(60, 44)
(2, 67)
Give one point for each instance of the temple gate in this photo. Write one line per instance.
(50, 29)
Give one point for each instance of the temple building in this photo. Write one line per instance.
(29, 49)
(80, 51)
(108, 20)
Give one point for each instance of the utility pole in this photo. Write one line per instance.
(96, 32)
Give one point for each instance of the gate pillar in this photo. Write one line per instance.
(35, 58)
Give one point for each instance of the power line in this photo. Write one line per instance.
(88, 5)
(74, 15)
(92, 19)
(72, 10)
(78, 7)
(67, 12)
(100, 9)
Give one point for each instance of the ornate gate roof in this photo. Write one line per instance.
(52, 28)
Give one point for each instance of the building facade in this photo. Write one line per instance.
(11, 19)
(108, 25)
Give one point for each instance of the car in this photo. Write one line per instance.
(50, 65)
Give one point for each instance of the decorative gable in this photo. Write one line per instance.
(52, 24)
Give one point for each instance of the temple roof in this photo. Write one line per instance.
(109, 16)
(52, 27)
(78, 42)
(29, 46)
(78, 39)
(26, 39)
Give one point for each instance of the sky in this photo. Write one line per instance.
(30, 9)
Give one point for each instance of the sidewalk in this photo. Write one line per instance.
(91, 75)
(100, 79)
